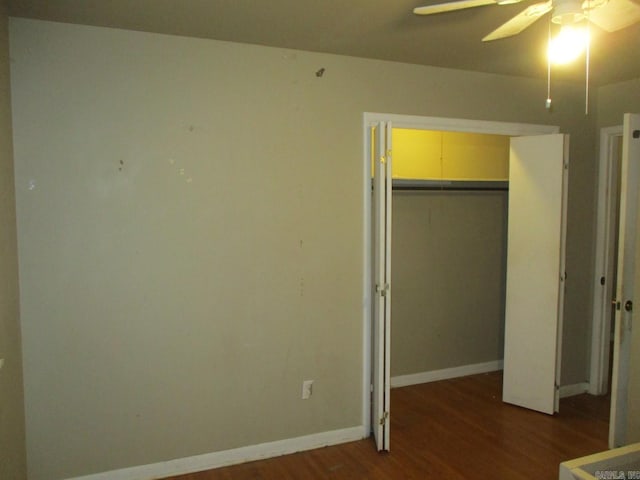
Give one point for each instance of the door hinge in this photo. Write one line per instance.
(384, 418)
(383, 159)
(382, 290)
(602, 280)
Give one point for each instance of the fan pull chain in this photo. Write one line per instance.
(587, 64)
(548, 102)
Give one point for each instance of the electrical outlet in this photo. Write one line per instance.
(307, 389)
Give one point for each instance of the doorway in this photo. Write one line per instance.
(449, 246)
(605, 279)
(408, 122)
(624, 427)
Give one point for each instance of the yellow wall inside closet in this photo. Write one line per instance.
(437, 155)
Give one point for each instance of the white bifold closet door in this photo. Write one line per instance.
(381, 153)
(538, 172)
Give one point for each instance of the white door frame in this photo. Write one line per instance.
(606, 226)
(420, 123)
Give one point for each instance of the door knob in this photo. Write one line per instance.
(628, 305)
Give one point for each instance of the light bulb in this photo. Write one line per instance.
(568, 44)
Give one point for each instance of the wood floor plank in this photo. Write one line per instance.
(453, 429)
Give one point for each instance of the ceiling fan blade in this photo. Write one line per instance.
(520, 21)
(614, 14)
(451, 6)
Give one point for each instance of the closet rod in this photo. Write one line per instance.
(450, 185)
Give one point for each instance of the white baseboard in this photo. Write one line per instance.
(446, 373)
(225, 458)
(575, 389)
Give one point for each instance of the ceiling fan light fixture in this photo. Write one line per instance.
(591, 4)
(567, 12)
(568, 45)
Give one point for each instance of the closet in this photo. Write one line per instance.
(449, 238)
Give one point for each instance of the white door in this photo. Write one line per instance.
(381, 152)
(624, 425)
(538, 173)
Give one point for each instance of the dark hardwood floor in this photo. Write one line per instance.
(454, 429)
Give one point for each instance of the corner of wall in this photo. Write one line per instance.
(12, 421)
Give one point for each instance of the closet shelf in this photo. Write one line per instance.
(411, 184)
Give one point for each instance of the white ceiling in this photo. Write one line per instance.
(382, 29)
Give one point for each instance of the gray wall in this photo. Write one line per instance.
(617, 99)
(448, 279)
(13, 464)
(190, 223)
(580, 244)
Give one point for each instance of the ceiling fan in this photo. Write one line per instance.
(610, 15)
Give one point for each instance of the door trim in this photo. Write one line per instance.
(420, 123)
(601, 323)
